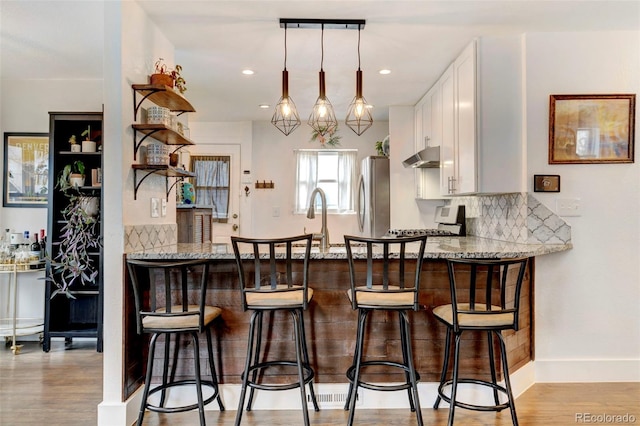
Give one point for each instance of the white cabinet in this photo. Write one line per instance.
(477, 122)
(428, 131)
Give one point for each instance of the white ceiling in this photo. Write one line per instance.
(215, 40)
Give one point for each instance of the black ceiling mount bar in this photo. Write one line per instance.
(329, 24)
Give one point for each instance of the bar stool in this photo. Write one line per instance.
(271, 280)
(391, 282)
(166, 308)
(485, 295)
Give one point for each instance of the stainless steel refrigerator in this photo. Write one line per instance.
(373, 197)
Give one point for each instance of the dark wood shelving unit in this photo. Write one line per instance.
(81, 315)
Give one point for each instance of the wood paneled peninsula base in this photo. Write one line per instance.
(330, 322)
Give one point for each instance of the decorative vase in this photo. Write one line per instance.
(76, 179)
(88, 146)
(164, 79)
(75, 147)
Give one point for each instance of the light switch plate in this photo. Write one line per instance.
(163, 207)
(155, 207)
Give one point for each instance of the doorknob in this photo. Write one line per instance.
(234, 227)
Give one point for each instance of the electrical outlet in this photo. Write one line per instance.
(155, 207)
(568, 207)
(163, 207)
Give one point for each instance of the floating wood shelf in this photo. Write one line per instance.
(159, 169)
(160, 95)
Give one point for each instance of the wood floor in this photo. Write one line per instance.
(64, 386)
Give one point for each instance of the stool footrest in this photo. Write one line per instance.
(381, 387)
(475, 407)
(180, 409)
(279, 386)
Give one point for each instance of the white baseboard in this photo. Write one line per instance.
(332, 395)
(581, 370)
(540, 371)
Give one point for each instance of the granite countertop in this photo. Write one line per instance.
(437, 248)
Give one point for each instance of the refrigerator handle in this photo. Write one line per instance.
(361, 203)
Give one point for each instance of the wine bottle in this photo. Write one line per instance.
(34, 250)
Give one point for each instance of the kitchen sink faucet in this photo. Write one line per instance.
(323, 236)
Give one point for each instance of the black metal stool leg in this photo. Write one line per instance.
(405, 361)
(454, 383)
(445, 366)
(212, 367)
(295, 314)
(362, 319)
(492, 367)
(347, 403)
(507, 381)
(256, 360)
(196, 362)
(147, 379)
(305, 354)
(247, 364)
(165, 368)
(406, 326)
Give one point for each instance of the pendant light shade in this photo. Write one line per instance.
(359, 117)
(285, 117)
(322, 118)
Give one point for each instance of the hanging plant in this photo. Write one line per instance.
(78, 237)
(331, 139)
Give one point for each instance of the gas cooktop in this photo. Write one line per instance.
(395, 233)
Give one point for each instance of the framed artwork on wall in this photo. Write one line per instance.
(26, 170)
(586, 129)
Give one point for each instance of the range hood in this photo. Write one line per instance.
(428, 157)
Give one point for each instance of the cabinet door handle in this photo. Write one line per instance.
(451, 184)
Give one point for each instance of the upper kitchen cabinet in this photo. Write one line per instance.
(475, 117)
(428, 131)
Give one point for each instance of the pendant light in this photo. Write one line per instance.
(358, 115)
(285, 117)
(322, 118)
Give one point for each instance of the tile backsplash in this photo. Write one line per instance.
(514, 217)
(141, 237)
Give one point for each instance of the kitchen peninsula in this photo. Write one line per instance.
(331, 322)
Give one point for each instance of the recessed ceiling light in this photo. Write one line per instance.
(247, 72)
(264, 106)
(385, 72)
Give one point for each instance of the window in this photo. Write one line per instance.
(332, 170)
(212, 184)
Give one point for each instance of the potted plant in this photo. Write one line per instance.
(78, 237)
(330, 139)
(75, 147)
(72, 175)
(168, 77)
(88, 145)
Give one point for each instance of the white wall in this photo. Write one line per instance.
(134, 44)
(587, 299)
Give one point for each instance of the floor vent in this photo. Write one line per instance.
(334, 399)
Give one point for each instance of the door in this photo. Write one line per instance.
(222, 231)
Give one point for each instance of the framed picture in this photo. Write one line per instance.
(26, 170)
(591, 128)
(546, 183)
